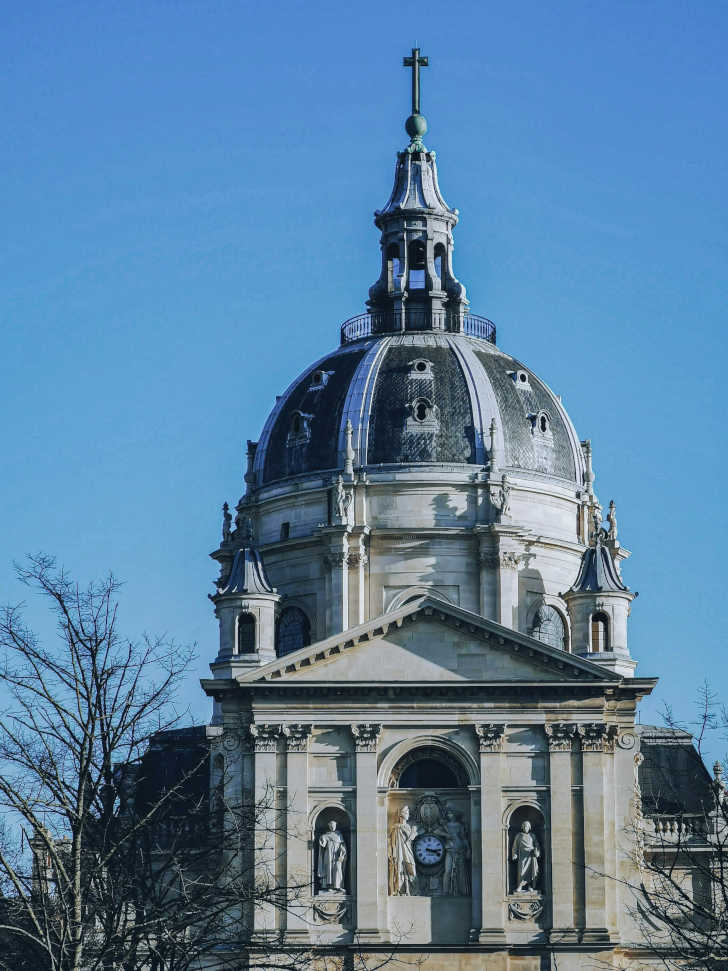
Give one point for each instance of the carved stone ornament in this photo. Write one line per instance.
(510, 560)
(560, 735)
(265, 737)
(597, 736)
(333, 911)
(490, 736)
(297, 737)
(231, 741)
(528, 907)
(626, 740)
(366, 736)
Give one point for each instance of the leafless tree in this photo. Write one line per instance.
(108, 860)
(681, 840)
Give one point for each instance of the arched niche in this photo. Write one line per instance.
(428, 782)
(320, 821)
(517, 816)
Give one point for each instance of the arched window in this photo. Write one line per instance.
(293, 631)
(549, 627)
(393, 266)
(440, 263)
(428, 767)
(428, 774)
(417, 266)
(599, 632)
(246, 634)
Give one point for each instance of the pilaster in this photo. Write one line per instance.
(336, 565)
(366, 738)
(265, 745)
(597, 744)
(298, 876)
(492, 918)
(560, 737)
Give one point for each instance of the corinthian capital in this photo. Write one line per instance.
(560, 735)
(597, 736)
(366, 736)
(490, 736)
(265, 737)
(296, 737)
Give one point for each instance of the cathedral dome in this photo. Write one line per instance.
(418, 399)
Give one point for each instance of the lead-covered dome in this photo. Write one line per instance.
(418, 398)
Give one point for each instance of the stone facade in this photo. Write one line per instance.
(437, 683)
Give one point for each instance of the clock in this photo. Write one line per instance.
(428, 850)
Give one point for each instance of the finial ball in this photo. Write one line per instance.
(416, 126)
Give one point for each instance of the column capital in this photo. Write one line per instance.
(490, 736)
(297, 737)
(597, 736)
(560, 735)
(265, 736)
(366, 736)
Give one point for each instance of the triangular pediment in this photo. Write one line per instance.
(425, 641)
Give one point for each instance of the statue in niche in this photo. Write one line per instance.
(331, 859)
(526, 853)
(456, 878)
(402, 871)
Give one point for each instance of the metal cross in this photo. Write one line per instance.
(416, 62)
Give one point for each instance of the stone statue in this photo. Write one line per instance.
(526, 852)
(402, 871)
(456, 878)
(331, 859)
(227, 521)
(612, 520)
(343, 501)
(500, 496)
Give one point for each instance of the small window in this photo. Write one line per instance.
(428, 774)
(299, 429)
(285, 530)
(520, 379)
(420, 368)
(549, 627)
(422, 410)
(541, 427)
(319, 379)
(296, 424)
(246, 634)
(599, 632)
(543, 424)
(293, 631)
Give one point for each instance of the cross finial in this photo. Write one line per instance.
(415, 62)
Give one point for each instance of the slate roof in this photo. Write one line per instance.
(672, 776)
(371, 383)
(597, 572)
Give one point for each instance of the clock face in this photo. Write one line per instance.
(428, 850)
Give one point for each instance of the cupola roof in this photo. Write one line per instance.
(247, 574)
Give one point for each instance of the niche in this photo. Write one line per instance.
(332, 847)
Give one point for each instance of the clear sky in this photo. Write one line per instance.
(187, 195)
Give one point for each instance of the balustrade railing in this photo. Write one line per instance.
(394, 321)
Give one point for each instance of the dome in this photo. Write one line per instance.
(418, 399)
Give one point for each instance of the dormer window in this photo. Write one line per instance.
(520, 379)
(422, 409)
(319, 380)
(423, 416)
(299, 432)
(420, 368)
(541, 427)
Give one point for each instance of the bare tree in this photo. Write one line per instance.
(681, 840)
(116, 853)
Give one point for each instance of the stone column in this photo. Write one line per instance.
(560, 738)
(490, 738)
(366, 887)
(265, 743)
(298, 875)
(597, 741)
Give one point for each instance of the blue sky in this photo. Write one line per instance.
(187, 201)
